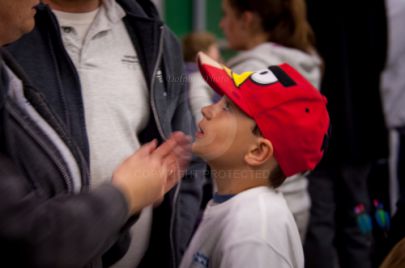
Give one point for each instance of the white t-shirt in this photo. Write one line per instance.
(252, 229)
(294, 188)
(115, 98)
(76, 24)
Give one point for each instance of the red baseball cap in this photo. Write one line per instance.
(287, 109)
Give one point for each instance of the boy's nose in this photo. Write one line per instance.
(207, 111)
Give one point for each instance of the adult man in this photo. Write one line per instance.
(108, 106)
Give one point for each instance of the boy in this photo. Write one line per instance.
(271, 124)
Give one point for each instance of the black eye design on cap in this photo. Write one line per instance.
(284, 79)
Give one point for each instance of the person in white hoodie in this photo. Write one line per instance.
(199, 92)
(393, 96)
(269, 32)
(393, 91)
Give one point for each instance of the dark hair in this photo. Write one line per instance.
(284, 20)
(192, 43)
(276, 177)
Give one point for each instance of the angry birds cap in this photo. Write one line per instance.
(287, 109)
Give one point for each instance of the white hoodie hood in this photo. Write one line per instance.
(267, 54)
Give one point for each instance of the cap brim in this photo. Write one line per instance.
(220, 81)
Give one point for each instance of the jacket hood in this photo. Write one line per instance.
(266, 54)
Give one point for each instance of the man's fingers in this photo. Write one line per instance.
(148, 148)
(171, 181)
(182, 158)
(174, 173)
(183, 152)
(184, 143)
(165, 149)
(181, 138)
(177, 150)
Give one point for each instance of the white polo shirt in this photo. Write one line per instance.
(115, 97)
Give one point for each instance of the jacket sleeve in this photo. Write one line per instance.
(64, 231)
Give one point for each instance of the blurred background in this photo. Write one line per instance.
(186, 16)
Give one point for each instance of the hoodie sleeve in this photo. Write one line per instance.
(64, 231)
(246, 61)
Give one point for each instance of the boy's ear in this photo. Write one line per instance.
(260, 152)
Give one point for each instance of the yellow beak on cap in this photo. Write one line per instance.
(238, 79)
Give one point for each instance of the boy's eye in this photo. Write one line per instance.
(227, 106)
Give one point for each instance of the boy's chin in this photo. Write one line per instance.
(199, 151)
(195, 149)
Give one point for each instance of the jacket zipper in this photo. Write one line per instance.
(152, 84)
(81, 162)
(160, 129)
(58, 162)
(176, 194)
(86, 178)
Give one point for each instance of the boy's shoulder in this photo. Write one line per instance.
(258, 207)
(262, 199)
(258, 216)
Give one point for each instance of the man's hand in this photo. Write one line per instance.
(179, 159)
(151, 171)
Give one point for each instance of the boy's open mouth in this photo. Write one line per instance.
(200, 132)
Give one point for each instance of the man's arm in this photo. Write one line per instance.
(71, 230)
(65, 231)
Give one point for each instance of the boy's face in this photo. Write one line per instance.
(225, 134)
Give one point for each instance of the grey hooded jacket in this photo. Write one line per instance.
(44, 222)
(43, 57)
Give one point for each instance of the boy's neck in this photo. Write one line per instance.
(234, 181)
